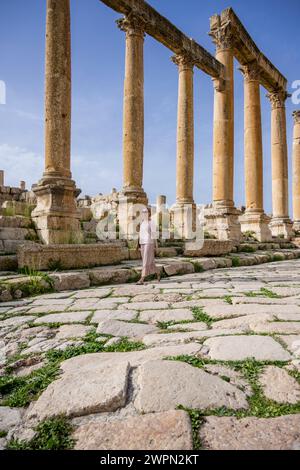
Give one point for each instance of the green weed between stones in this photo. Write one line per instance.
(3, 434)
(236, 262)
(51, 434)
(228, 299)
(263, 292)
(20, 391)
(201, 316)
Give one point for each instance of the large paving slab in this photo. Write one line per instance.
(177, 383)
(240, 348)
(159, 431)
(121, 328)
(278, 327)
(93, 389)
(251, 433)
(184, 337)
(154, 316)
(103, 315)
(67, 317)
(135, 358)
(224, 311)
(279, 386)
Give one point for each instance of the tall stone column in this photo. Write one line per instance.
(254, 220)
(296, 171)
(222, 220)
(281, 224)
(185, 206)
(56, 215)
(133, 113)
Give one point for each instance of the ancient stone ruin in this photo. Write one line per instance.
(53, 214)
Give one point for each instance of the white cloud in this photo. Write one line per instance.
(20, 164)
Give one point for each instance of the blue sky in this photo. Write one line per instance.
(98, 72)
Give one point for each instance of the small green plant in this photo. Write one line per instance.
(235, 261)
(51, 434)
(247, 249)
(228, 299)
(55, 265)
(3, 434)
(197, 266)
(201, 316)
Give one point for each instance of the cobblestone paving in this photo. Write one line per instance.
(205, 360)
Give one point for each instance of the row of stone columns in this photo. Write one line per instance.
(56, 215)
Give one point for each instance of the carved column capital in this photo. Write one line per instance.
(183, 61)
(278, 98)
(251, 71)
(296, 116)
(132, 25)
(223, 37)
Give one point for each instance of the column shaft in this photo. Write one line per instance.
(279, 156)
(223, 149)
(253, 142)
(58, 90)
(185, 131)
(296, 170)
(133, 118)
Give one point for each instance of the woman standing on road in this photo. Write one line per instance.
(148, 244)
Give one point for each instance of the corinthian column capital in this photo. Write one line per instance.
(296, 116)
(251, 71)
(278, 98)
(183, 61)
(132, 25)
(223, 37)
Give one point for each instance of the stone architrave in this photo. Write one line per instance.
(254, 220)
(281, 224)
(56, 215)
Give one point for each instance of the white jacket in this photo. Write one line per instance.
(147, 232)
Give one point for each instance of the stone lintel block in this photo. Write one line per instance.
(208, 248)
(70, 256)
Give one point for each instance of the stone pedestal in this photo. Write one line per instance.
(56, 216)
(282, 227)
(133, 114)
(296, 171)
(183, 221)
(258, 224)
(254, 219)
(281, 224)
(223, 222)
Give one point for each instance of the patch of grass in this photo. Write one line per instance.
(20, 391)
(236, 262)
(51, 434)
(263, 292)
(197, 266)
(247, 249)
(3, 434)
(201, 316)
(277, 258)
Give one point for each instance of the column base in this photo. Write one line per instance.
(134, 196)
(282, 227)
(183, 220)
(257, 223)
(131, 203)
(296, 226)
(56, 216)
(223, 222)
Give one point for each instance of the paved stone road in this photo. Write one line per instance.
(221, 346)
